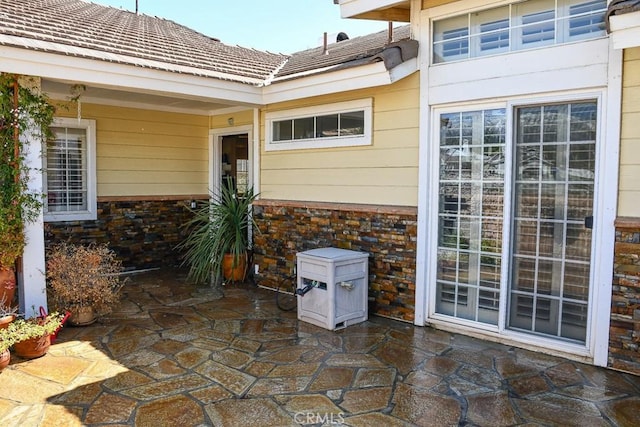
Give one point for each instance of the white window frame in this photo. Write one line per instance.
(365, 105)
(516, 11)
(89, 126)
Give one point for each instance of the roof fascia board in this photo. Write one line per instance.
(367, 76)
(119, 76)
(353, 8)
(83, 52)
(625, 30)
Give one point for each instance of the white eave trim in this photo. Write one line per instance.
(83, 52)
(351, 8)
(122, 76)
(362, 77)
(625, 30)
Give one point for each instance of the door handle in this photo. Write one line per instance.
(588, 221)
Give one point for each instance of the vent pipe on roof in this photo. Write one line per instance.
(326, 49)
(390, 38)
(136, 7)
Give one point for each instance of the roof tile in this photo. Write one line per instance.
(84, 29)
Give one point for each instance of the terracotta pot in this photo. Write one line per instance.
(7, 285)
(5, 321)
(82, 316)
(33, 347)
(234, 273)
(5, 358)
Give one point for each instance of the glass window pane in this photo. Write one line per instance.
(575, 287)
(327, 126)
(583, 122)
(582, 162)
(491, 30)
(578, 242)
(547, 316)
(587, 19)
(574, 321)
(580, 201)
(352, 123)
(283, 130)
(521, 311)
(451, 39)
(537, 22)
(303, 128)
(555, 123)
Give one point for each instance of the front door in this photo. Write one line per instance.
(235, 161)
(231, 158)
(514, 218)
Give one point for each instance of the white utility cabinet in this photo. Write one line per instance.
(340, 280)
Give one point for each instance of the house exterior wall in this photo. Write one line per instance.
(629, 191)
(359, 198)
(384, 173)
(150, 165)
(233, 118)
(147, 153)
(558, 73)
(387, 234)
(624, 332)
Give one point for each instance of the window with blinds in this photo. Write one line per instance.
(69, 183)
(518, 26)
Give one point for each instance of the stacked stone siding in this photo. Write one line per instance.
(144, 233)
(388, 234)
(624, 333)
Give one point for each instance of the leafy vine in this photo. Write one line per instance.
(25, 115)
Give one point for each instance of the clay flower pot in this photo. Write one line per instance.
(82, 316)
(235, 273)
(7, 285)
(5, 321)
(5, 358)
(33, 347)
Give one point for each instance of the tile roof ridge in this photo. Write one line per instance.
(270, 78)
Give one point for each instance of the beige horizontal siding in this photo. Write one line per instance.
(147, 153)
(342, 194)
(238, 118)
(629, 190)
(384, 173)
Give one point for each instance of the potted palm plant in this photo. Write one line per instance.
(218, 239)
(84, 280)
(24, 114)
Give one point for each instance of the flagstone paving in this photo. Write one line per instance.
(172, 355)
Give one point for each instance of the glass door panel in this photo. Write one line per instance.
(553, 197)
(471, 211)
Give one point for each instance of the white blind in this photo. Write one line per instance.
(66, 164)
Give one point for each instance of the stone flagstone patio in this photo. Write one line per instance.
(170, 355)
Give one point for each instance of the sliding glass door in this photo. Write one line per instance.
(553, 204)
(543, 268)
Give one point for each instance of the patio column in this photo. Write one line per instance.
(31, 279)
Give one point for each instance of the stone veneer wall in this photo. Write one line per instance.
(388, 234)
(143, 233)
(624, 332)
